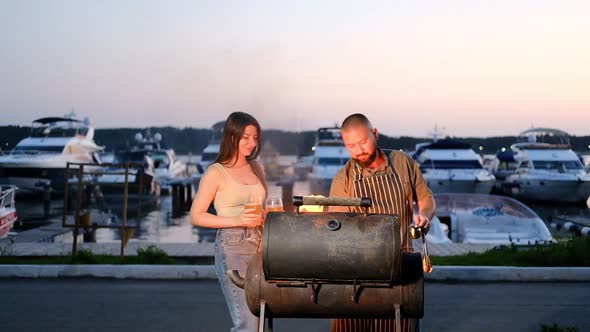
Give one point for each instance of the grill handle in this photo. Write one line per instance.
(236, 278)
(365, 202)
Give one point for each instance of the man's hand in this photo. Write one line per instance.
(421, 221)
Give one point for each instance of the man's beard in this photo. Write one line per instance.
(369, 161)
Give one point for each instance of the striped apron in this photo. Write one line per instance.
(387, 192)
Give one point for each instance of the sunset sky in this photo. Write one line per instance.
(476, 68)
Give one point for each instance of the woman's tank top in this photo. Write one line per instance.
(229, 202)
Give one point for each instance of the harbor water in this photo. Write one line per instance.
(162, 222)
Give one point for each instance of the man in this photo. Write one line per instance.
(394, 183)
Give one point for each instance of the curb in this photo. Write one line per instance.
(509, 273)
(193, 272)
(178, 272)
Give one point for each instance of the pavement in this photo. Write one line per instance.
(90, 304)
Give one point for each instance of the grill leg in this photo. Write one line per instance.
(269, 323)
(262, 317)
(398, 318)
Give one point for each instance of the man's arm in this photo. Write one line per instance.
(423, 196)
(426, 208)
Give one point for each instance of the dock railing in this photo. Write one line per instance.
(77, 170)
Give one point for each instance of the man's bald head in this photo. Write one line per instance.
(360, 139)
(356, 120)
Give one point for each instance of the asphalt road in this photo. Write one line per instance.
(132, 305)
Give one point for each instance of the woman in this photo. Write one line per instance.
(234, 178)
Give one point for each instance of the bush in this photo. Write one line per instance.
(153, 255)
(556, 328)
(84, 256)
(574, 252)
(7, 249)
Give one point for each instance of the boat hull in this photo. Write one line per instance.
(34, 179)
(489, 219)
(114, 184)
(7, 219)
(38, 178)
(548, 190)
(459, 186)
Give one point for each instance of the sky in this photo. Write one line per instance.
(474, 68)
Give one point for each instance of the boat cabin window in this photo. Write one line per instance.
(57, 131)
(559, 165)
(332, 161)
(329, 135)
(208, 156)
(137, 157)
(525, 164)
(508, 166)
(450, 164)
(36, 149)
(331, 143)
(160, 159)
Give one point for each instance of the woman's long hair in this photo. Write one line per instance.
(233, 130)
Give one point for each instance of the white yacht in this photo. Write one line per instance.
(503, 165)
(39, 161)
(111, 177)
(167, 168)
(302, 167)
(159, 165)
(479, 218)
(548, 170)
(329, 157)
(450, 166)
(7, 210)
(211, 151)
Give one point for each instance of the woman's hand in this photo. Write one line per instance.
(249, 219)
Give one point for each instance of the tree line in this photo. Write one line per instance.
(194, 140)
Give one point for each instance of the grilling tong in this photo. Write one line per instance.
(420, 232)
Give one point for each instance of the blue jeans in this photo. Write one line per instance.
(234, 248)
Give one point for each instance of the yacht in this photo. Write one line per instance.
(7, 210)
(111, 178)
(503, 165)
(167, 168)
(451, 166)
(491, 219)
(212, 149)
(329, 156)
(270, 158)
(548, 170)
(302, 167)
(150, 165)
(38, 162)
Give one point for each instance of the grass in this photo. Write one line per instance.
(573, 252)
(148, 255)
(557, 328)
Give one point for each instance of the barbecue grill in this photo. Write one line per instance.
(332, 265)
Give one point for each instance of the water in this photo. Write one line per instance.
(161, 224)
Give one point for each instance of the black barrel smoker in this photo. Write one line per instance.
(332, 265)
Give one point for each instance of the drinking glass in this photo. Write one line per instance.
(274, 204)
(254, 203)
